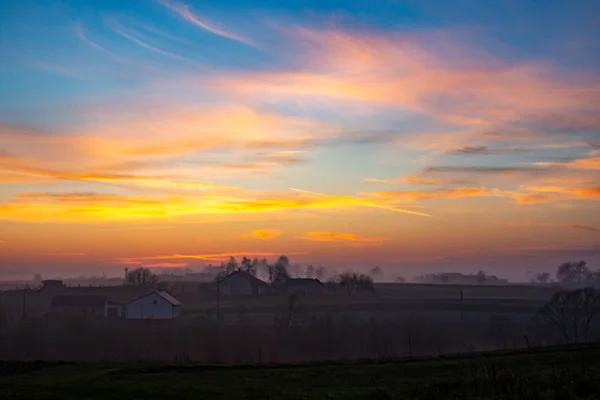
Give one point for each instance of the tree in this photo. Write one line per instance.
(364, 283)
(572, 313)
(310, 271)
(544, 277)
(320, 272)
(376, 273)
(355, 282)
(231, 265)
(248, 266)
(141, 277)
(573, 273)
(400, 279)
(278, 272)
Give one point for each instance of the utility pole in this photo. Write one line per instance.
(218, 300)
(461, 308)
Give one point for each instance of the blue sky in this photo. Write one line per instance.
(387, 115)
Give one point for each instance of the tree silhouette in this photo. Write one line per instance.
(573, 273)
(141, 277)
(572, 313)
(231, 265)
(248, 265)
(278, 272)
(320, 272)
(352, 282)
(543, 277)
(376, 273)
(310, 271)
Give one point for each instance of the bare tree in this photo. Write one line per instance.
(278, 272)
(543, 277)
(352, 282)
(320, 272)
(573, 273)
(231, 265)
(141, 277)
(364, 283)
(573, 313)
(310, 271)
(376, 273)
(248, 265)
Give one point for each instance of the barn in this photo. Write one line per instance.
(240, 283)
(156, 305)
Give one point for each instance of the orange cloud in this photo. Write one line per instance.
(118, 149)
(376, 180)
(63, 254)
(165, 265)
(454, 193)
(204, 256)
(422, 181)
(590, 163)
(407, 71)
(542, 194)
(586, 192)
(339, 237)
(263, 234)
(99, 207)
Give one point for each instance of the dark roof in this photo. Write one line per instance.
(168, 298)
(75, 300)
(251, 278)
(303, 282)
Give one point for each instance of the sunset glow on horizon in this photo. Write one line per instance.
(405, 135)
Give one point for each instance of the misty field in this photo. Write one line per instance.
(559, 372)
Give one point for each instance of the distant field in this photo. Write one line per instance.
(391, 301)
(559, 373)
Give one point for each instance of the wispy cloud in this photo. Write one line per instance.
(587, 163)
(184, 11)
(204, 256)
(585, 228)
(363, 202)
(454, 193)
(263, 234)
(341, 237)
(101, 207)
(131, 36)
(65, 254)
(376, 180)
(484, 150)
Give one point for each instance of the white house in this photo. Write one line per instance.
(156, 305)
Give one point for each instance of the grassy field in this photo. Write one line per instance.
(552, 373)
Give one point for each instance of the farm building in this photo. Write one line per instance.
(91, 305)
(309, 286)
(240, 283)
(150, 305)
(156, 305)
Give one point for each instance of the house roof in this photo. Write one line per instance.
(78, 300)
(168, 298)
(251, 278)
(161, 293)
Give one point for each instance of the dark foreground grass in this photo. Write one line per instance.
(552, 373)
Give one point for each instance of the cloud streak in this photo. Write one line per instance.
(263, 234)
(184, 12)
(340, 237)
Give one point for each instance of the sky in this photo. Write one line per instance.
(417, 136)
